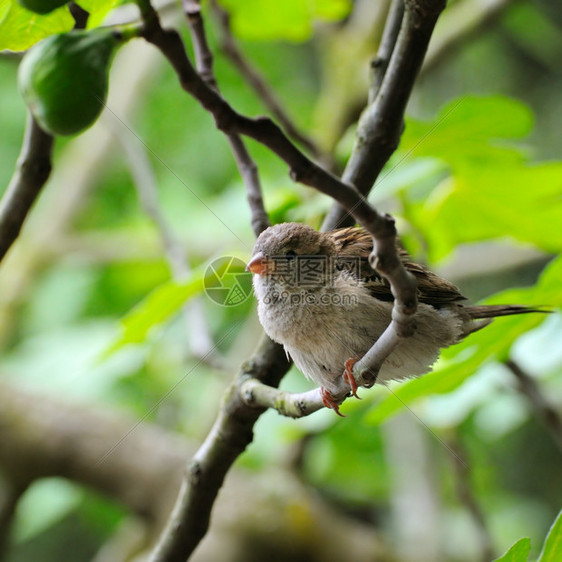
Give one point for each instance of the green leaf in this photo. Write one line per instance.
(43, 505)
(20, 28)
(331, 10)
(467, 130)
(224, 280)
(156, 308)
(97, 9)
(517, 553)
(491, 191)
(494, 342)
(552, 548)
(291, 20)
(520, 201)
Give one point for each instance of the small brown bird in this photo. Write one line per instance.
(320, 298)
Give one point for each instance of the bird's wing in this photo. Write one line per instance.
(354, 245)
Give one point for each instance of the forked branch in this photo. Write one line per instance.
(378, 135)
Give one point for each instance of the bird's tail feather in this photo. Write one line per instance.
(482, 315)
(493, 310)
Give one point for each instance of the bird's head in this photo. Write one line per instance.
(283, 249)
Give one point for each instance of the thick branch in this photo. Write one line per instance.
(229, 437)
(41, 436)
(32, 171)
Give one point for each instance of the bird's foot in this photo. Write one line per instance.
(330, 402)
(349, 378)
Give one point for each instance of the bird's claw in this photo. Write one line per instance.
(330, 402)
(349, 378)
(327, 398)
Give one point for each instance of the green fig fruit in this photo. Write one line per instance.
(42, 6)
(64, 79)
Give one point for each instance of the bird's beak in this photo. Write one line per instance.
(258, 264)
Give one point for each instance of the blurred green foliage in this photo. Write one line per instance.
(470, 169)
(292, 20)
(20, 28)
(551, 550)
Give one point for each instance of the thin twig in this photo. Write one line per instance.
(382, 122)
(200, 341)
(245, 163)
(468, 499)
(461, 22)
(292, 405)
(548, 415)
(32, 171)
(380, 63)
(253, 77)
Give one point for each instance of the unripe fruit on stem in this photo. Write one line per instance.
(64, 79)
(42, 6)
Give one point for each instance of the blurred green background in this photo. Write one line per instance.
(456, 465)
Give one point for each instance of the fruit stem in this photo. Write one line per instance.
(127, 31)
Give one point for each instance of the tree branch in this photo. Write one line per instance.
(32, 171)
(232, 431)
(292, 405)
(38, 436)
(246, 165)
(380, 63)
(228, 438)
(382, 122)
(201, 344)
(460, 22)
(258, 82)
(466, 495)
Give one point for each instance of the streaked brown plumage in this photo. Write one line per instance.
(338, 312)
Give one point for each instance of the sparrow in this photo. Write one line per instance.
(319, 297)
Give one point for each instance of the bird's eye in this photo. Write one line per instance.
(291, 254)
